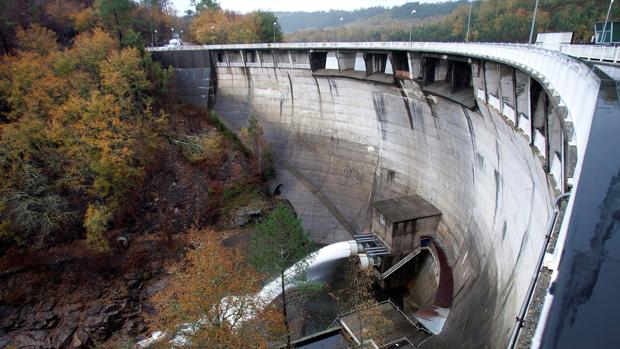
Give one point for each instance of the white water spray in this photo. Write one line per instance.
(319, 264)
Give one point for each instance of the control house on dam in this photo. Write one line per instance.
(485, 173)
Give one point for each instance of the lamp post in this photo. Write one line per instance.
(155, 38)
(212, 35)
(274, 31)
(339, 31)
(469, 20)
(411, 24)
(606, 20)
(533, 24)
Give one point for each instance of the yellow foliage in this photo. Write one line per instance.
(209, 26)
(215, 292)
(92, 48)
(122, 76)
(84, 20)
(96, 223)
(80, 117)
(37, 39)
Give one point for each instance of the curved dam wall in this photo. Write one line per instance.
(340, 143)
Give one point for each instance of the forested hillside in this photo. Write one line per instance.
(295, 21)
(107, 179)
(491, 21)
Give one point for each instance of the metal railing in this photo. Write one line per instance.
(567, 78)
(598, 53)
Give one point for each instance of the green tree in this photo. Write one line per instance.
(279, 242)
(115, 15)
(266, 28)
(212, 5)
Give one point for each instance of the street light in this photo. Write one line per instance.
(533, 23)
(411, 24)
(469, 20)
(155, 39)
(212, 35)
(606, 20)
(339, 32)
(274, 31)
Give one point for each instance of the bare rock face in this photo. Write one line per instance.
(73, 315)
(80, 338)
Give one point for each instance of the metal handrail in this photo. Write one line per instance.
(568, 78)
(530, 291)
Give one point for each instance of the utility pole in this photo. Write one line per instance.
(411, 24)
(469, 20)
(606, 21)
(533, 24)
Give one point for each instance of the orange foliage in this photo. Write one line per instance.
(214, 292)
(37, 39)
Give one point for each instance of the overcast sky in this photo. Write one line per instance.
(297, 5)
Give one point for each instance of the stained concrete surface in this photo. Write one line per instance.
(346, 143)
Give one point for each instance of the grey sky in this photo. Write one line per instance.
(297, 5)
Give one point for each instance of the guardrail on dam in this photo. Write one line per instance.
(488, 134)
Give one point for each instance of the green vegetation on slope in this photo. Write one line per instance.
(492, 21)
(79, 135)
(295, 21)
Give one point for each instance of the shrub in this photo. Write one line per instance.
(96, 223)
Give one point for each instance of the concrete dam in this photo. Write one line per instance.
(490, 135)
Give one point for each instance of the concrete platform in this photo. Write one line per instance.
(354, 74)
(402, 332)
(464, 97)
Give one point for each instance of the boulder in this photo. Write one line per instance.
(80, 339)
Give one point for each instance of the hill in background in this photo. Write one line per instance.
(296, 21)
(491, 21)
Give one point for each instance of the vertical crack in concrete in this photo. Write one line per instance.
(498, 185)
(290, 84)
(403, 93)
(472, 136)
(379, 104)
(318, 89)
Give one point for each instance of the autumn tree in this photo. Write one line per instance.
(79, 136)
(279, 242)
(368, 321)
(219, 26)
(211, 301)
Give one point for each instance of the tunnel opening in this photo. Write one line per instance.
(401, 64)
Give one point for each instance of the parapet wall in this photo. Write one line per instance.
(341, 143)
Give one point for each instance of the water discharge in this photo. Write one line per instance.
(319, 265)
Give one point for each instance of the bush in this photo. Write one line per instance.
(201, 148)
(96, 223)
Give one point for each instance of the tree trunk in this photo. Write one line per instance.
(286, 325)
(5, 43)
